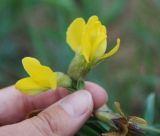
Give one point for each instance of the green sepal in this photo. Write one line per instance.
(63, 80)
(80, 84)
(78, 67)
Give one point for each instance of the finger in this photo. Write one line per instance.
(64, 118)
(14, 106)
(98, 93)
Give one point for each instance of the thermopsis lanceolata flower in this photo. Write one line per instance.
(89, 42)
(89, 39)
(40, 77)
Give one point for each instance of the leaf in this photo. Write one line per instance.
(98, 126)
(104, 126)
(80, 84)
(150, 108)
(150, 129)
(106, 117)
(87, 131)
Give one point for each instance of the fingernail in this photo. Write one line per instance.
(77, 103)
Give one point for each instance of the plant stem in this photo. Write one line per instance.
(151, 129)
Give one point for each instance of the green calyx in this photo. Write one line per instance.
(63, 80)
(78, 68)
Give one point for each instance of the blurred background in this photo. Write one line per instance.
(38, 28)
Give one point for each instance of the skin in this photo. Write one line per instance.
(63, 115)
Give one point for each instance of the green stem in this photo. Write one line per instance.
(151, 129)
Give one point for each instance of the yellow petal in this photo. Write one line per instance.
(97, 37)
(92, 19)
(100, 50)
(42, 75)
(113, 51)
(29, 87)
(74, 34)
(31, 60)
(86, 47)
(87, 39)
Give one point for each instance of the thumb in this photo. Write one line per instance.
(64, 118)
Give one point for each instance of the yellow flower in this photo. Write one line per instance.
(89, 39)
(41, 78)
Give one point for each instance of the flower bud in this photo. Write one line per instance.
(63, 80)
(78, 68)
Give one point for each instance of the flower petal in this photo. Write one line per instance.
(74, 34)
(100, 50)
(42, 75)
(113, 51)
(29, 87)
(86, 46)
(96, 37)
(92, 20)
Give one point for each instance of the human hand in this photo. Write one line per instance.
(64, 113)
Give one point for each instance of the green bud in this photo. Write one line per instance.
(78, 68)
(63, 80)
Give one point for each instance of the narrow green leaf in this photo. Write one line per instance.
(150, 108)
(150, 129)
(80, 84)
(87, 131)
(104, 126)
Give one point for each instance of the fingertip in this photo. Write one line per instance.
(98, 93)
